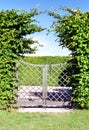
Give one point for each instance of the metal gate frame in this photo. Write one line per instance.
(44, 78)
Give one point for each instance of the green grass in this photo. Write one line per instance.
(75, 120)
(46, 59)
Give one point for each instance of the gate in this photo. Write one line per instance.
(43, 85)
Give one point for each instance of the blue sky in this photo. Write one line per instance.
(50, 47)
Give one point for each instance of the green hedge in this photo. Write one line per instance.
(46, 59)
(14, 26)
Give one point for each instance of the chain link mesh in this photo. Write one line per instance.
(38, 88)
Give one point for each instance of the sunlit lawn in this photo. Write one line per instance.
(75, 120)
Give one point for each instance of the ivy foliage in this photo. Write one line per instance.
(14, 26)
(72, 32)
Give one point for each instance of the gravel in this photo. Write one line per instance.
(44, 110)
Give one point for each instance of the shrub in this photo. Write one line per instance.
(14, 26)
(73, 32)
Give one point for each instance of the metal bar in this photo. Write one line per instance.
(44, 85)
(28, 64)
(50, 67)
(39, 65)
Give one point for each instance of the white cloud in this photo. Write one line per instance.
(50, 47)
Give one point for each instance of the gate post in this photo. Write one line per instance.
(44, 84)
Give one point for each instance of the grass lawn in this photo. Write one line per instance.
(75, 120)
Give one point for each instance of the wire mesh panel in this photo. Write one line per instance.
(59, 89)
(30, 84)
(43, 85)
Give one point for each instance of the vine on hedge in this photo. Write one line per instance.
(14, 26)
(72, 32)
